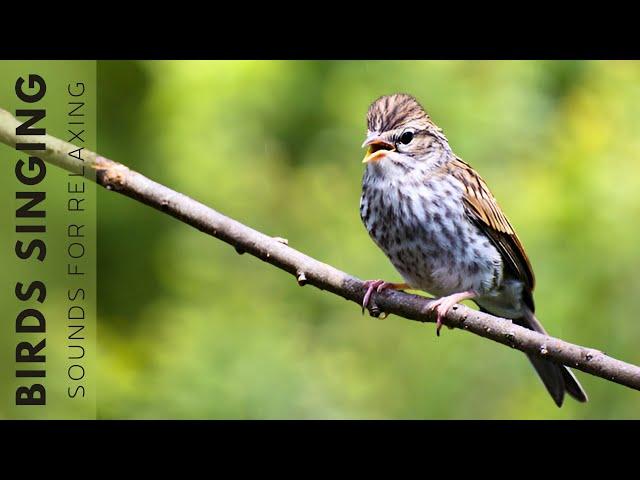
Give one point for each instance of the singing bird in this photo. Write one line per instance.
(442, 229)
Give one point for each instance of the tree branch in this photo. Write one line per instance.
(117, 177)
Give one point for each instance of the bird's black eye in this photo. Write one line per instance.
(406, 137)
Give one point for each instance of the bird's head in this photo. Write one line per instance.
(400, 135)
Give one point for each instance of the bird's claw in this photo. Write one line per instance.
(377, 285)
(440, 309)
(441, 306)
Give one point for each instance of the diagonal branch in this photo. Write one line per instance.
(117, 177)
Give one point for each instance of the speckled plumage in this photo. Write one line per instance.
(440, 226)
(419, 222)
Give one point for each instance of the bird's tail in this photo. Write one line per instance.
(557, 378)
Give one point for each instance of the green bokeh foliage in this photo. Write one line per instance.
(189, 329)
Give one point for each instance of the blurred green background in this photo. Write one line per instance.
(189, 329)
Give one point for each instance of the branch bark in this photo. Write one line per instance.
(119, 178)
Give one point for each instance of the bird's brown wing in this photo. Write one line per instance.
(483, 208)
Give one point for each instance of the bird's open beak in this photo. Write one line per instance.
(378, 148)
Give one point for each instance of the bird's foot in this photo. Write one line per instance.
(442, 305)
(379, 286)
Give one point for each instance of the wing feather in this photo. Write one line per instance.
(484, 210)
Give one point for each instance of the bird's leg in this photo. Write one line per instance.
(379, 286)
(442, 305)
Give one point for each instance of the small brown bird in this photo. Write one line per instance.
(442, 229)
